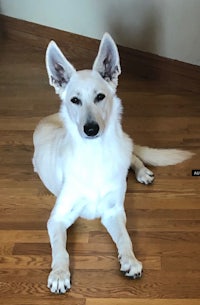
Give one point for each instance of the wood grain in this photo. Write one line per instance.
(163, 219)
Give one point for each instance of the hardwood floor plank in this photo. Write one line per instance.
(24, 261)
(6, 248)
(153, 284)
(176, 263)
(23, 236)
(109, 262)
(120, 301)
(34, 236)
(45, 300)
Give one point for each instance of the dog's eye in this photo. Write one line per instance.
(76, 100)
(99, 97)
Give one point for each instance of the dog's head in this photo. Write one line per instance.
(87, 95)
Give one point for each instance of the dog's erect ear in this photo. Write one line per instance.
(107, 62)
(58, 67)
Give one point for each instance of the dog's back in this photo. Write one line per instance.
(48, 134)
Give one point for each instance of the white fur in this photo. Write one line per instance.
(161, 157)
(82, 156)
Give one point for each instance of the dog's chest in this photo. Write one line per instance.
(96, 175)
(95, 168)
(96, 188)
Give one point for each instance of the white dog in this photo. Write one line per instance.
(82, 156)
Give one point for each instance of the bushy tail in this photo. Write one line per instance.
(161, 157)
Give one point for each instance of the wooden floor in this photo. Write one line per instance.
(163, 219)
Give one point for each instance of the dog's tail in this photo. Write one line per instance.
(161, 157)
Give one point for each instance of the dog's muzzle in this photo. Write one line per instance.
(91, 129)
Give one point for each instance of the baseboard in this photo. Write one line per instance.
(178, 75)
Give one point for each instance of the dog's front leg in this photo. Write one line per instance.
(59, 277)
(116, 226)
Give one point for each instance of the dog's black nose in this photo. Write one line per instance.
(91, 129)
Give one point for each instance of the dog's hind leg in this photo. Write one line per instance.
(59, 277)
(142, 173)
(116, 226)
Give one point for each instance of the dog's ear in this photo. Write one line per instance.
(107, 62)
(58, 67)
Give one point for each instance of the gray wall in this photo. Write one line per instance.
(170, 28)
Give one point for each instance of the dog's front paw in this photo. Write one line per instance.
(59, 281)
(131, 267)
(144, 175)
